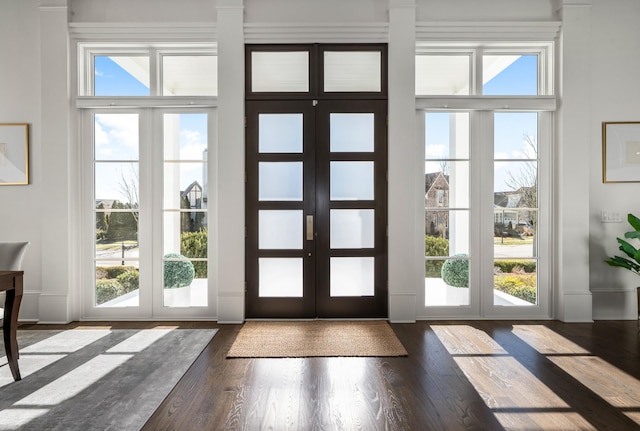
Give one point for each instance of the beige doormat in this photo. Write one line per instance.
(316, 338)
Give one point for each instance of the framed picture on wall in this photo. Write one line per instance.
(621, 152)
(14, 154)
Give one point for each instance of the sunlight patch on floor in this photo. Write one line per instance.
(613, 385)
(519, 400)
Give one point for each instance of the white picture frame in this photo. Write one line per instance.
(621, 152)
(14, 154)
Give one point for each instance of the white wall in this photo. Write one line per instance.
(21, 208)
(143, 11)
(613, 90)
(495, 10)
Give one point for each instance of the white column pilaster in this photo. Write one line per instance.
(406, 269)
(55, 305)
(573, 302)
(231, 162)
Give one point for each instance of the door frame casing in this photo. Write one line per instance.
(316, 96)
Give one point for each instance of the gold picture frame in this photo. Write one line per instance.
(14, 154)
(621, 152)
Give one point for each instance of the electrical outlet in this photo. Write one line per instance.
(611, 217)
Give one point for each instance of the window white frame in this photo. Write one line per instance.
(543, 50)
(150, 109)
(481, 216)
(88, 51)
(150, 228)
(481, 109)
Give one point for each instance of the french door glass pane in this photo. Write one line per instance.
(116, 136)
(446, 135)
(280, 181)
(351, 132)
(352, 71)
(280, 71)
(515, 282)
(280, 229)
(515, 135)
(448, 228)
(116, 209)
(116, 183)
(351, 181)
(121, 75)
(185, 230)
(116, 282)
(446, 281)
(508, 74)
(352, 276)
(443, 75)
(446, 202)
(280, 277)
(352, 229)
(515, 208)
(189, 75)
(192, 229)
(116, 257)
(280, 133)
(446, 184)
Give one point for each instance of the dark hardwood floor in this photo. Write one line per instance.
(479, 375)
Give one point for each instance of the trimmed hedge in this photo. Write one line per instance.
(434, 246)
(506, 266)
(194, 244)
(107, 289)
(115, 281)
(521, 286)
(114, 271)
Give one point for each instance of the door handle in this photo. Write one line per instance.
(309, 228)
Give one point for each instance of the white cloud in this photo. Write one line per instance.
(192, 145)
(436, 152)
(116, 136)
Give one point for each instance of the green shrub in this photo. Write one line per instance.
(107, 289)
(194, 244)
(505, 266)
(129, 281)
(177, 273)
(115, 270)
(521, 286)
(455, 272)
(434, 246)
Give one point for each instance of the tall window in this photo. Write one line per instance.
(485, 221)
(146, 172)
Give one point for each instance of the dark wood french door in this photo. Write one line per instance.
(316, 212)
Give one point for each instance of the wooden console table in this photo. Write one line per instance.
(11, 282)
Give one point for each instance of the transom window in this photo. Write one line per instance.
(167, 71)
(342, 71)
(487, 70)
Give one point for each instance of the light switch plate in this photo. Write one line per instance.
(611, 217)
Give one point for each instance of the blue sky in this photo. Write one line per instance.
(112, 80)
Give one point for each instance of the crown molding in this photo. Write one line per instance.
(143, 31)
(488, 31)
(316, 33)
